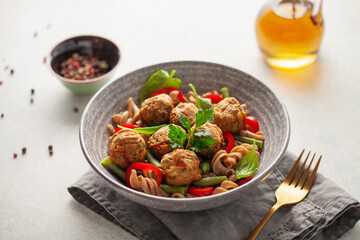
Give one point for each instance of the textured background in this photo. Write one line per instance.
(323, 100)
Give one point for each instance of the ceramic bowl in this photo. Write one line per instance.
(100, 47)
(262, 102)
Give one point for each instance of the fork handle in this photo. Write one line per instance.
(257, 230)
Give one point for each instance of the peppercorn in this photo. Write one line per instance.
(31, 100)
(32, 91)
(12, 71)
(23, 150)
(75, 109)
(2, 115)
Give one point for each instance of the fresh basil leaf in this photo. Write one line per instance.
(204, 116)
(248, 165)
(149, 130)
(201, 103)
(158, 80)
(186, 123)
(177, 136)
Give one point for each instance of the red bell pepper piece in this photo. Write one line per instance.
(252, 123)
(215, 98)
(125, 126)
(168, 90)
(231, 142)
(201, 191)
(145, 167)
(244, 180)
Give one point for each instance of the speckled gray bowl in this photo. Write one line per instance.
(262, 102)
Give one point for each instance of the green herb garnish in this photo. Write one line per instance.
(248, 164)
(198, 140)
(201, 103)
(158, 80)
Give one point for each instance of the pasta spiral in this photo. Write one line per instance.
(187, 195)
(146, 184)
(225, 186)
(223, 163)
(131, 116)
(257, 136)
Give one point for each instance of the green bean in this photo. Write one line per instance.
(225, 92)
(210, 181)
(205, 167)
(249, 140)
(173, 189)
(149, 130)
(152, 159)
(108, 164)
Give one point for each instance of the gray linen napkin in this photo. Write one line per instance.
(326, 213)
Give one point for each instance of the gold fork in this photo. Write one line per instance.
(291, 191)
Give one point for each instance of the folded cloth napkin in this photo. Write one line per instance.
(326, 213)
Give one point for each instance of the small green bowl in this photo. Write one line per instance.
(87, 44)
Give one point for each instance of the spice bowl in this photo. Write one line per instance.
(84, 63)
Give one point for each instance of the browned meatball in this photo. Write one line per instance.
(127, 147)
(187, 110)
(229, 115)
(156, 110)
(217, 134)
(181, 167)
(160, 143)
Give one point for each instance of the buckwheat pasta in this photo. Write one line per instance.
(217, 165)
(225, 186)
(190, 97)
(130, 116)
(257, 136)
(146, 185)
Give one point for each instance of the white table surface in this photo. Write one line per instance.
(323, 100)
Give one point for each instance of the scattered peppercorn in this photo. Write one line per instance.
(44, 60)
(83, 67)
(15, 155)
(1, 82)
(31, 100)
(12, 71)
(23, 150)
(32, 91)
(50, 147)
(75, 109)
(2, 115)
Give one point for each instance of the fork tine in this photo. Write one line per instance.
(297, 177)
(293, 169)
(312, 176)
(302, 181)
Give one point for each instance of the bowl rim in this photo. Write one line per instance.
(80, 82)
(258, 178)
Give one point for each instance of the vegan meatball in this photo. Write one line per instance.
(217, 134)
(127, 147)
(181, 167)
(160, 143)
(156, 110)
(229, 115)
(187, 110)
